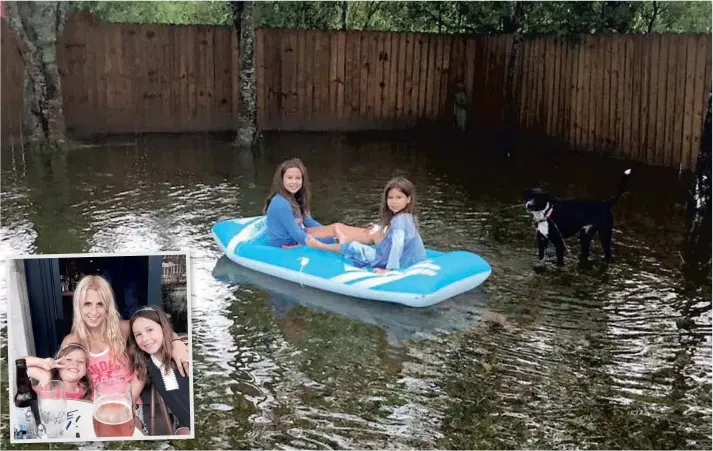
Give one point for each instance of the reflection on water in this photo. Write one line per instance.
(400, 323)
(597, 358)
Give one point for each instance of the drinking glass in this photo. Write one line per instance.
(53, 408)
(113, 412)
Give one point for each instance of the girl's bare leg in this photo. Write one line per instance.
(342, 232)
(313, 242)
(322, 232)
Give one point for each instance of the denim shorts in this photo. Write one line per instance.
(360, 253)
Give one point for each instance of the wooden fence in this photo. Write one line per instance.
(133, 78)
(639, 97)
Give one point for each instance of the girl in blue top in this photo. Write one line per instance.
(399, 245)
(288, 211)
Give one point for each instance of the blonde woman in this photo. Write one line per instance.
(98, 327)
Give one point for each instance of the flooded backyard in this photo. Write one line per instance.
(570, 358)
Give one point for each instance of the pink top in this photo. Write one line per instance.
(77, 395)
(68, 395)
(101, 366)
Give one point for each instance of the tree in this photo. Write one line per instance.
(345, 12)
(556, 18)
(697, 253)
(514, 25)
(247, 117)
(211, 12)
(37, 25)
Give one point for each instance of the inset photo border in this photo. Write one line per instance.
(95, 322)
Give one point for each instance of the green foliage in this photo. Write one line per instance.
(210, 13)
(552, 18)
(319, 15)
(682, 17)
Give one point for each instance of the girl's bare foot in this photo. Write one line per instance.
(312, 241)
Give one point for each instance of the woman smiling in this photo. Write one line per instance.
(98, 327)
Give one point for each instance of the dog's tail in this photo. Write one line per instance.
(622, 186)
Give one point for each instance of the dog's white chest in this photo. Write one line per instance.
(543, 227)
(540, 218)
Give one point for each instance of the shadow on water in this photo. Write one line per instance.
(400, 323)
(604, 357)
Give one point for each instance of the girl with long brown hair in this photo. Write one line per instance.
(399, 244)
(289, 217)
(150, 356)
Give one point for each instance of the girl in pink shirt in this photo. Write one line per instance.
(68, 366)
(97, 327)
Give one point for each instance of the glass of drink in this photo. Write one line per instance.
(53, 408)
(113, 412)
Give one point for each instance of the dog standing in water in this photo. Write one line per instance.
(557, 220)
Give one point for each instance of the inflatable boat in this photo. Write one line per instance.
(440, 277)
(400, 323)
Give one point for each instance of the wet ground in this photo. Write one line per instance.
(535, 358)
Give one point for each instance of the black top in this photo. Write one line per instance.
(177, 400)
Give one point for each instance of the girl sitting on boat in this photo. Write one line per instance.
(287, 208)
(398, 243)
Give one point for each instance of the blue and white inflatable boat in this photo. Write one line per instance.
(442, 276)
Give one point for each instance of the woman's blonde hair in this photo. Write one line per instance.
(110, 328)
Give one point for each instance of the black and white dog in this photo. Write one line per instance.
(557, 220)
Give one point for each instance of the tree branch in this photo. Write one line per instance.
(653, 17)
(449, 27)
(440, 17)
(373, 7)
(62, 9)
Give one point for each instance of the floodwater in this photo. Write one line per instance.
(546, 358)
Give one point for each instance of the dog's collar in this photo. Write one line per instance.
(544, 214)
(541, 217)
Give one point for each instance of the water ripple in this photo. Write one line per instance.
(585, 358)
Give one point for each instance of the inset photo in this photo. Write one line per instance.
(99, 347)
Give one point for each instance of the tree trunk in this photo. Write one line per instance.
(509, 126)
(247, 116)
(697, 251)
(345, 11)
(37, 25)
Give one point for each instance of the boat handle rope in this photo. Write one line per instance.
(304, 261)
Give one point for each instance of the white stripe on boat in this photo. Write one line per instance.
(242, 220)
(249, 232)
(352, 276)
(426, 264)
(388, 277)
(425, 268)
